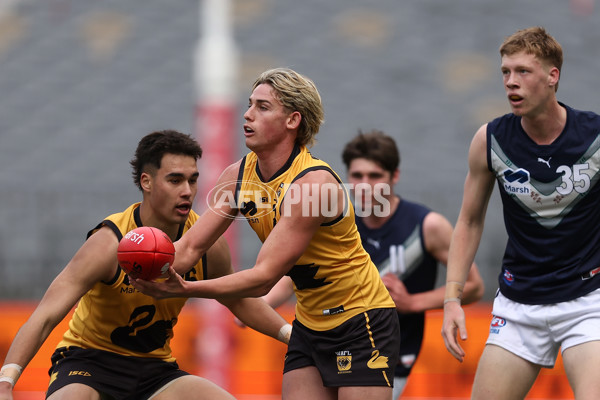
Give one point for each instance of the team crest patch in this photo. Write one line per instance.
(344, 362)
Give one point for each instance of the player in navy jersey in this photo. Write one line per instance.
(545, 157)
(405, 240)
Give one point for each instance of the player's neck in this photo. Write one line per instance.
(546, 127)
(376, 220)
(271, 161)
(148, 218)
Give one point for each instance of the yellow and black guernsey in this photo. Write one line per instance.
(113, 316)
(335, 278)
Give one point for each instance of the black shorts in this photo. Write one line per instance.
(362, 351)
(114, 376)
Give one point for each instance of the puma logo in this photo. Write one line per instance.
(540, 159)
(377, 361)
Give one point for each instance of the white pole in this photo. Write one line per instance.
(215, 77)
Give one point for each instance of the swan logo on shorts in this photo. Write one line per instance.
(508, 277)
(496, 324)
(376, 361)
(344, 361)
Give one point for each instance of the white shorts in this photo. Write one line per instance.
(536, 332)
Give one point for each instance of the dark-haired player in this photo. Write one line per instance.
(117, 344)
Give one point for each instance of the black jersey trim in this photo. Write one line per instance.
(238, 185)
(324, 168)
(204, 267)
(111, 225)
(136, 217)
(281, 170)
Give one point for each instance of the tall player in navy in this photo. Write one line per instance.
(545, 157)
(405, 240)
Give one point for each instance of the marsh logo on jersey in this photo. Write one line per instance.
(496, 324)
(515, 181)
(344, 361)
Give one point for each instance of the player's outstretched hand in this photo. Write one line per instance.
(454, 321)
(173, 286)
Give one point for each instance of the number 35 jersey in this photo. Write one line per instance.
(551, 200)
(113, 316)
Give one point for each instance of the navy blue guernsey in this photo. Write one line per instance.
(398, 247)
(551, 200)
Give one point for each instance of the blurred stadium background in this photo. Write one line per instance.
(82, 81)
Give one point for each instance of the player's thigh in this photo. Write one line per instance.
(579, 361)
(192, 387)
(305, 383)
(512, 383)
(365, 392)
(77, 391)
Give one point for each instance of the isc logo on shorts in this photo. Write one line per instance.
(344, 362)
(496, 324)
(80, 373)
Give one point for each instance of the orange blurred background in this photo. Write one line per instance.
(254, 362)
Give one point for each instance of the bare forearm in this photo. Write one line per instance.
(280, 293)
(186, 255)
(465, 242)
(28, 340)
(258, 315)
(429, 300)
(245, 283)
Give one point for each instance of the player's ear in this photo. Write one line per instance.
(396, 176)
(146, 181)
(294, 119)
(553, 76)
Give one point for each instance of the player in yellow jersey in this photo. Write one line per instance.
(118, 338)
(345, 340)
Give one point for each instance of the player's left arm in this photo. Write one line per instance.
(283, 247)
(253, 312)
(437, 233)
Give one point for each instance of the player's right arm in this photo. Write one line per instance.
(96, 260)
(211, 224)
(280, 293)
(253, 312)
(478, 188)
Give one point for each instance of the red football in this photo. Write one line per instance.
(145, 253)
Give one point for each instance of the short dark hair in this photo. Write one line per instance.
(374, 146)
(155, 145)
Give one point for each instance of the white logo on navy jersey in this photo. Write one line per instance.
(540, 159)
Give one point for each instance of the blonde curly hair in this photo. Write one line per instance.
(296, 93)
